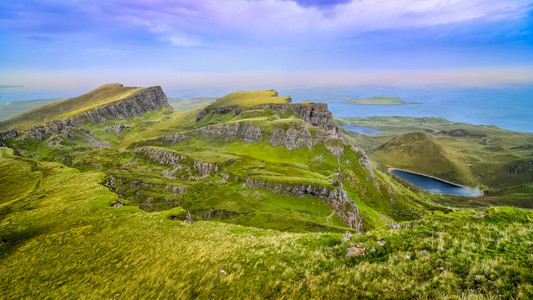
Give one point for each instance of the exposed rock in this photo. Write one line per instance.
(8, 134)
(117, 130)
(218, 110)
(337, 151)
(179, 162)
(54, 141)
(295, 139)
(176, 138)
(134, 106)
(394, 226)
(487, 140)
(344, 207)
(246, 131)
(176, 190)
(365, 161)
(356, 249)
(205, 169)
(161, 156)
(275, 138)
(317, 114)
(219, 213)
(347, 237)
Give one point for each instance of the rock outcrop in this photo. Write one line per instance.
(117, 130)
(176, 190)
(8, 134)
(145, 100)
(184, 166)
(365, 161)
(344, 207)
(246, 131)
(176, 138)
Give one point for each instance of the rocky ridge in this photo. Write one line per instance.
(145, 100)
(184, 167)
(343, 206)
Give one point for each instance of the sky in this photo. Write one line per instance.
(265, 43)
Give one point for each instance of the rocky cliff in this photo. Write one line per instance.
(183, 166)
(145, 100)
(343, 206)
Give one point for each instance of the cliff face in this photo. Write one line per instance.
(137, 105)
(316, 114)
(246, 131)
(344, 207)
(184, 167)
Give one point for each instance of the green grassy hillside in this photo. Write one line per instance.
(251, 98)
(497, 159)
(160, 206)
(420, 152)
(67, 107)
(60, 244)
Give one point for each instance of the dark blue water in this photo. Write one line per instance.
(506, 107)
(362, 129)
(436, 186)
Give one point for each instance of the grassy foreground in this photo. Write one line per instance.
(55, 243)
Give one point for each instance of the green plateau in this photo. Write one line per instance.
(120, 193)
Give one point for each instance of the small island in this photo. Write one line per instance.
(380, 100)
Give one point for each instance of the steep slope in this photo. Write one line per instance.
(110, 101)
(420, 152)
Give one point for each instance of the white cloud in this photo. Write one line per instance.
(281, 18)
(182, 40)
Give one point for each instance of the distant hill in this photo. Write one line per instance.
(421, 152)
(13, 108)
(380, 100)
(179, 104)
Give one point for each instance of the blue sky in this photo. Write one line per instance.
(256, 43)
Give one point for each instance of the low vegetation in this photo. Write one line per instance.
(159, 206)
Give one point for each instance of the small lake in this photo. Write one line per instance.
(436, 186)
(362, 129)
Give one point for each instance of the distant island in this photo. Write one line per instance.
(380, 100)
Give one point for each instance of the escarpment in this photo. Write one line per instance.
(246, 131)
(316, 114)
(343, 206)
(183, 166)
(136, 105)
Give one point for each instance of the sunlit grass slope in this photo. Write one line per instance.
(497, 158)
(251, 98)
(59, 238)
(68, 107)
(421, 152)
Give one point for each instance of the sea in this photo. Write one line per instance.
(509, 107)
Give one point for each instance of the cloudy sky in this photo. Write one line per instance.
(266, 42)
